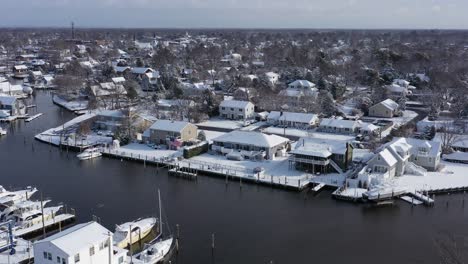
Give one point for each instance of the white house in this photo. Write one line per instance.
(300, 88)
(399, 157)
(87, 243)
(272, 77)
(295, 120)
(387, 108)
(339, 126)
(237, 110)
(250, 145)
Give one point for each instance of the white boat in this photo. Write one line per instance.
(155, 251)
(132, 232)
(2, 132)
(21, 207)
(9, 198)
(89, 153)
(33, 217)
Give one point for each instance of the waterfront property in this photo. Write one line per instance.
(236, 110)
(171, 133)
(250, 145)
(321, 156)
(84, 243)
(10, 105)
(402, 156)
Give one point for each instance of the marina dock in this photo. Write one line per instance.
(33, 117)
(53, 224)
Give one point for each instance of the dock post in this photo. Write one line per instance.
(212, 243)
(177, 237)
(240, 182)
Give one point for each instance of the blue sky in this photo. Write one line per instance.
(237, 13)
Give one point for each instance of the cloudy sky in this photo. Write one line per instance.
(237, 13)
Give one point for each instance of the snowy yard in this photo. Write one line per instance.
(142, 151)
(452, 176)
(75, 105)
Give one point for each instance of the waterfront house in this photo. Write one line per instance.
(321, 155)
(250, 145)
(399, 157)
(20, 71)
(86, 243)
(107, 89)
(272, 77)
(109, 120)
(9, 104)
(387, 109)
(292, 120)
(236, 110)
(171, 133)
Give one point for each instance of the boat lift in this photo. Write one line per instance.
(10, 243)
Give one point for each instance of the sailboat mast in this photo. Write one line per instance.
(160, 212)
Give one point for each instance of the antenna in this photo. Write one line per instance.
(73, 29)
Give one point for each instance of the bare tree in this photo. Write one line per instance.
(447, 137)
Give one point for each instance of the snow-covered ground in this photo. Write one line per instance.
(75, 105)
(398, 121)
(142, 151)
(54, 135)
(452, 176)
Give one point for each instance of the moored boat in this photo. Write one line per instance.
(132, 232)
(89, 153)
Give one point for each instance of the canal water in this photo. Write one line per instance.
(252, 224)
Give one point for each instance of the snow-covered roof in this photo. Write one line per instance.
(316, 147)
(293, 117)
(390, 104)
(141, 70)
(340, 123)
(169, 125)
(302, 84)
(118, 80)
(7, 87)
(396, 88)
(20, 67)
(7, 100)
(252, 138)
(121, 68)
(387, 157)
(74, 239)
(235, 103)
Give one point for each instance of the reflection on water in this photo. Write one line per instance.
(252, 224)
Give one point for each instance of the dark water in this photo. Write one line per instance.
(255, 224)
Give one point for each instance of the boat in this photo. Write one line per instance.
(132, 232)
(89, 153)
(2, 132)
(155, 251)
(20, 207)
(33, 217)
(8, 198)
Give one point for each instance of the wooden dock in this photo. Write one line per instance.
(33, 117)
(50, 225)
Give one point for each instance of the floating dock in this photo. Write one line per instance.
(52, 224)
(33, 117)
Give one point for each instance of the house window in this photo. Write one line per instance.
(121, 259)
(106, 243)
(45, 255)
(91, 251)
(58, 259)
(49, 256)
(64, 261)
(240, 110)
(232, 109)
(101, 246)
(223, 108)
(77, 258)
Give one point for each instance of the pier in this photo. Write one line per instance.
(33, 117)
